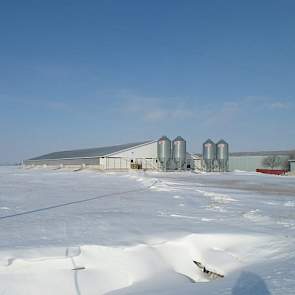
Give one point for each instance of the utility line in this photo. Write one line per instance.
(76, 202)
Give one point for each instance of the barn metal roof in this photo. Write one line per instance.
(89, 153)
(263, 153)
(260, 153)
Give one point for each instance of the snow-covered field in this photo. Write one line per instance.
(138, 233)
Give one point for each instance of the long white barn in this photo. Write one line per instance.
(140, 155)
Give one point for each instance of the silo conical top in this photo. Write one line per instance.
(178, 138)
(164, 137)
(209, 141)
(221, 141)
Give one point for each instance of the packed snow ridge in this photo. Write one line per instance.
(88, 232)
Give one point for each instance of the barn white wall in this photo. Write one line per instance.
(66, 162)
(146, 155)
(112, 163)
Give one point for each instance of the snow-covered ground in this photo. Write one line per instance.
(138, 233)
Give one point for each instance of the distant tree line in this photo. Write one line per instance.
(275, 161)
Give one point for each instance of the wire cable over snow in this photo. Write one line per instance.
(78, 202)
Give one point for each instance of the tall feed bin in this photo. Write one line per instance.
(222, 155)
(179, 152)
(164, 152)
(209, 155)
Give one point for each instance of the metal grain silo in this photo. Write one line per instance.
(222, 155)
(164, 152)
(209, 154)
(179, 152)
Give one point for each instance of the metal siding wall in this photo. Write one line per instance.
(249, 163)
(112, 163)
(245, 163)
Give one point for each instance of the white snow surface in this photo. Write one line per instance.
(88, 232)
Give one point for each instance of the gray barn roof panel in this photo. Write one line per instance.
(262, 153)
(89, 153)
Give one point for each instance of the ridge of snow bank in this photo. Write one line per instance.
(112, 268)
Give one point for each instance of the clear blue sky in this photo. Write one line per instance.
(77, 74)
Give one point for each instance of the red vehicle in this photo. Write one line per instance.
(270, 171)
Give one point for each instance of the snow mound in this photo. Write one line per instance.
(93, 269)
